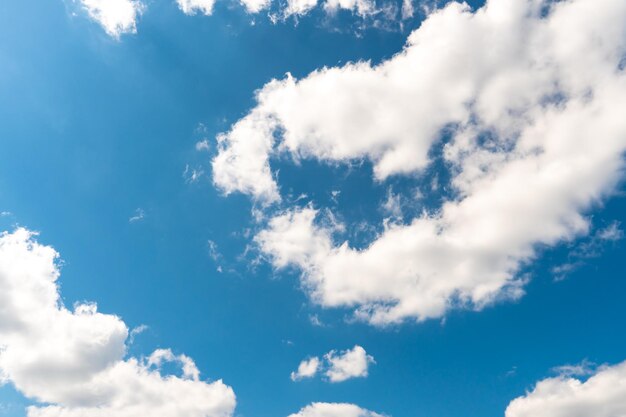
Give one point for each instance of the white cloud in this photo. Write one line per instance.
(139, 215)
(360, 7)
(191, 7)
(589, 248)
(585, 368)
(72, 362)
(299, 7)
(392, 206)
(307, 369)
(347, 364)
(611, 233)
(532, 94)
(602, 395)
(117, 17)
(192, 175)
(337, 366)
(203, 145)
(334, 410)
(255, 6)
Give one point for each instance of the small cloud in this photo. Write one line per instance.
(5, 213)
(393, 205)
(511, 372)
(590, 248)
(138, 216)
(191, 175)
(203, 145)
(315, 320)
(192, 7)
(348, 364)
(136, 332)
(336, 366)
(213, 251)
(611, 233)
(585, 368)
(307, 369)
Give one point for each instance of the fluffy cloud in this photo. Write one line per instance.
(360, 7)
(255, 6)
(116, 16)
(73, 361)
(531, 93)
(334, 410)
(348, 364)
(337, 366)
(191, 7)
(299, 7)
(307, 369)
(602, 395)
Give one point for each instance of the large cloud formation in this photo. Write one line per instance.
(73, 361)
(602, 395)
(532, 94)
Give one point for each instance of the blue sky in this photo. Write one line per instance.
(99, 142)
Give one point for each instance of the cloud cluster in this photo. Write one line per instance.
(337, 366)
(602, 395)
(334, 410)
(73, 362)
(116, 17)
(530, 93)
(192, 7)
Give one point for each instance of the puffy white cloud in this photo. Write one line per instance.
(307, 369)
(347, 364)
(334, 410)
(360, 7)
(73, 361)
(531, 93)
(337, 366)
(602, 395)
(255, 6)
(299, 7)
(115, 16)
(191, 7)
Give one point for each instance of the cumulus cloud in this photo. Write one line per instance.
(334, 410)
(307, 369)
(192, 7)
(255, 6)
(602, 395)
(530, 94)
(360, 7)
(117, 17)
(337, 366)
(347, 364)
(299, 7)
(72, 362)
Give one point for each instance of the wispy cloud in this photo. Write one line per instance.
(138, 216)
